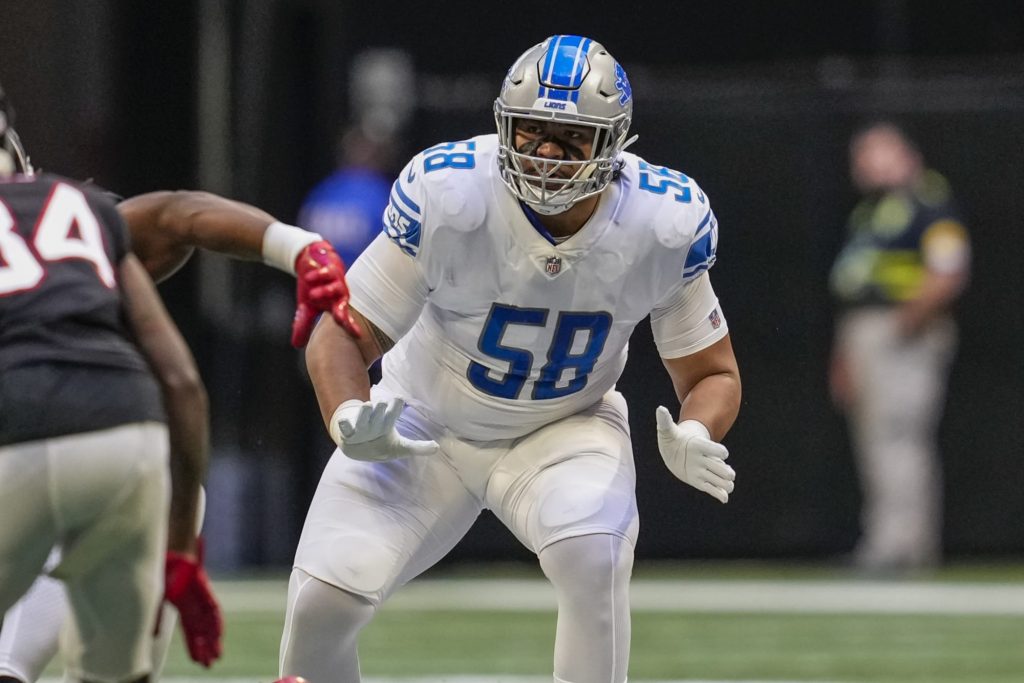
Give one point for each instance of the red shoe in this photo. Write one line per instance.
(291, 679)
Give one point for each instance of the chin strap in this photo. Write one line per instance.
(549, 210)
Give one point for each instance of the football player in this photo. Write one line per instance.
(512, 269)
(101, 409)
(165, 227)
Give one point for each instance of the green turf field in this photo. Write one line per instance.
(750, 623)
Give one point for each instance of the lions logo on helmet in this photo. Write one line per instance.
(568, 79)
(12, 155)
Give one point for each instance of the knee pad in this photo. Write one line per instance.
(318, 607)
(318, 611)
(588, 566)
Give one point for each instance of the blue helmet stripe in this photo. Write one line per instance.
(550, 58)
(570, 57)
(545, 72)
(564, 68)
(579, 61)
(577, 68)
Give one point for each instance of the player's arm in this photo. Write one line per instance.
(337, 362)
(693, 339)
(707, 384)
(167, 226)
(946, 252)
(391, 287)
(184, 395)
(186, 584)
(363, 429)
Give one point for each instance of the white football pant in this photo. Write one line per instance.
(102, 497)
(567, 492)
(31, 628)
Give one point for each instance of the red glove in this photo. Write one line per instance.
(321, 287)
(188, 589)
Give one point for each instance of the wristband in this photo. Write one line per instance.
(335, 428)
(282, 244)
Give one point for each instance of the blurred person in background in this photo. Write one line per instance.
(346, 206)
(512, 269)
(905, 262)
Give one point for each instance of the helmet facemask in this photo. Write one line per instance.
(569, 80)
(13, 158)
(549, 185)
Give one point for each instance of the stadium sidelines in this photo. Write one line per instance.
(783, 596)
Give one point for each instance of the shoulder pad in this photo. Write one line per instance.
(460, 210)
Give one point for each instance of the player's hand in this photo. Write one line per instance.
(320, 287)
(365, 430)
(693, 457)
(188, 589)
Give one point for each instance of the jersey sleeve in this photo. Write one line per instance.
(102, 203)
(403, 216)
(688, 319)
(387, 286)
(945, 247)
(702, 252)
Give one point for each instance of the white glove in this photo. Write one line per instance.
(365, 430)
(693, 457)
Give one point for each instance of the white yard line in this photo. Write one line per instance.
(539, 679)
(448, 679)
(796, 597)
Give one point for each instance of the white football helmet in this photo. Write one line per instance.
(568, 79)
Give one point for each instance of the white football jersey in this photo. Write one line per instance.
(500, 330)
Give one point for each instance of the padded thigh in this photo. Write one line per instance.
(29, 529)
(571, 478)
(372, 526)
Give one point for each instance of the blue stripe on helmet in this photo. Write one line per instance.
(546, 68)
(550, 58)
(567, 68)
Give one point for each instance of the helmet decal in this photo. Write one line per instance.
(622, 83)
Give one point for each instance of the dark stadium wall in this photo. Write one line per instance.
(756, 105)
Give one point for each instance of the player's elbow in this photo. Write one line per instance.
(183, 386)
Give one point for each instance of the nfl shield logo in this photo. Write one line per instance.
(553, 265)
(715, 319)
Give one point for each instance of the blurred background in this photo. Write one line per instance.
(756, 101)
